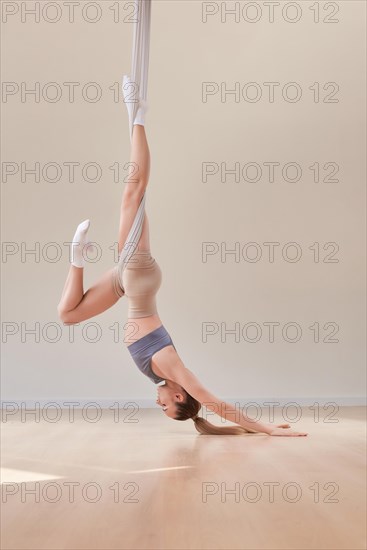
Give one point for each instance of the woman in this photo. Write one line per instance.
(180, 393)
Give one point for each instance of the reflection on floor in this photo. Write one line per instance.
(154, 483)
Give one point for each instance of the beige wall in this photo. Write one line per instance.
(184, 212)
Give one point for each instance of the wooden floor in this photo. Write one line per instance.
(158, 484)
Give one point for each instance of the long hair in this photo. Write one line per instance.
(190, 409)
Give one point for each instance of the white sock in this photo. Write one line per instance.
(79, 244)
(129, 93)
(140, 115)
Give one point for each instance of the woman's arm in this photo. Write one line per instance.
(193, 386)
(176, 371)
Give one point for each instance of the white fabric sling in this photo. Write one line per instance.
(139, 76)
(140, 54)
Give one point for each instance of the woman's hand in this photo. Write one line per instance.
(281, 430)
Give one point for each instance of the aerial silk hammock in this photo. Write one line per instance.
(139, 81)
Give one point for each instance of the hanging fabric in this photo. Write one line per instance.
(140, 54)
(139, 78)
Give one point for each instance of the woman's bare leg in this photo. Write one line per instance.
(75, 305)
(135, 187)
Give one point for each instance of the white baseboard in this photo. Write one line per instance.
(261, 402)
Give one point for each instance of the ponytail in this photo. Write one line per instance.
(206, 428)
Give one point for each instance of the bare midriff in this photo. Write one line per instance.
(136, 328)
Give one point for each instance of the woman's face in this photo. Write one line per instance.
(167, 398)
